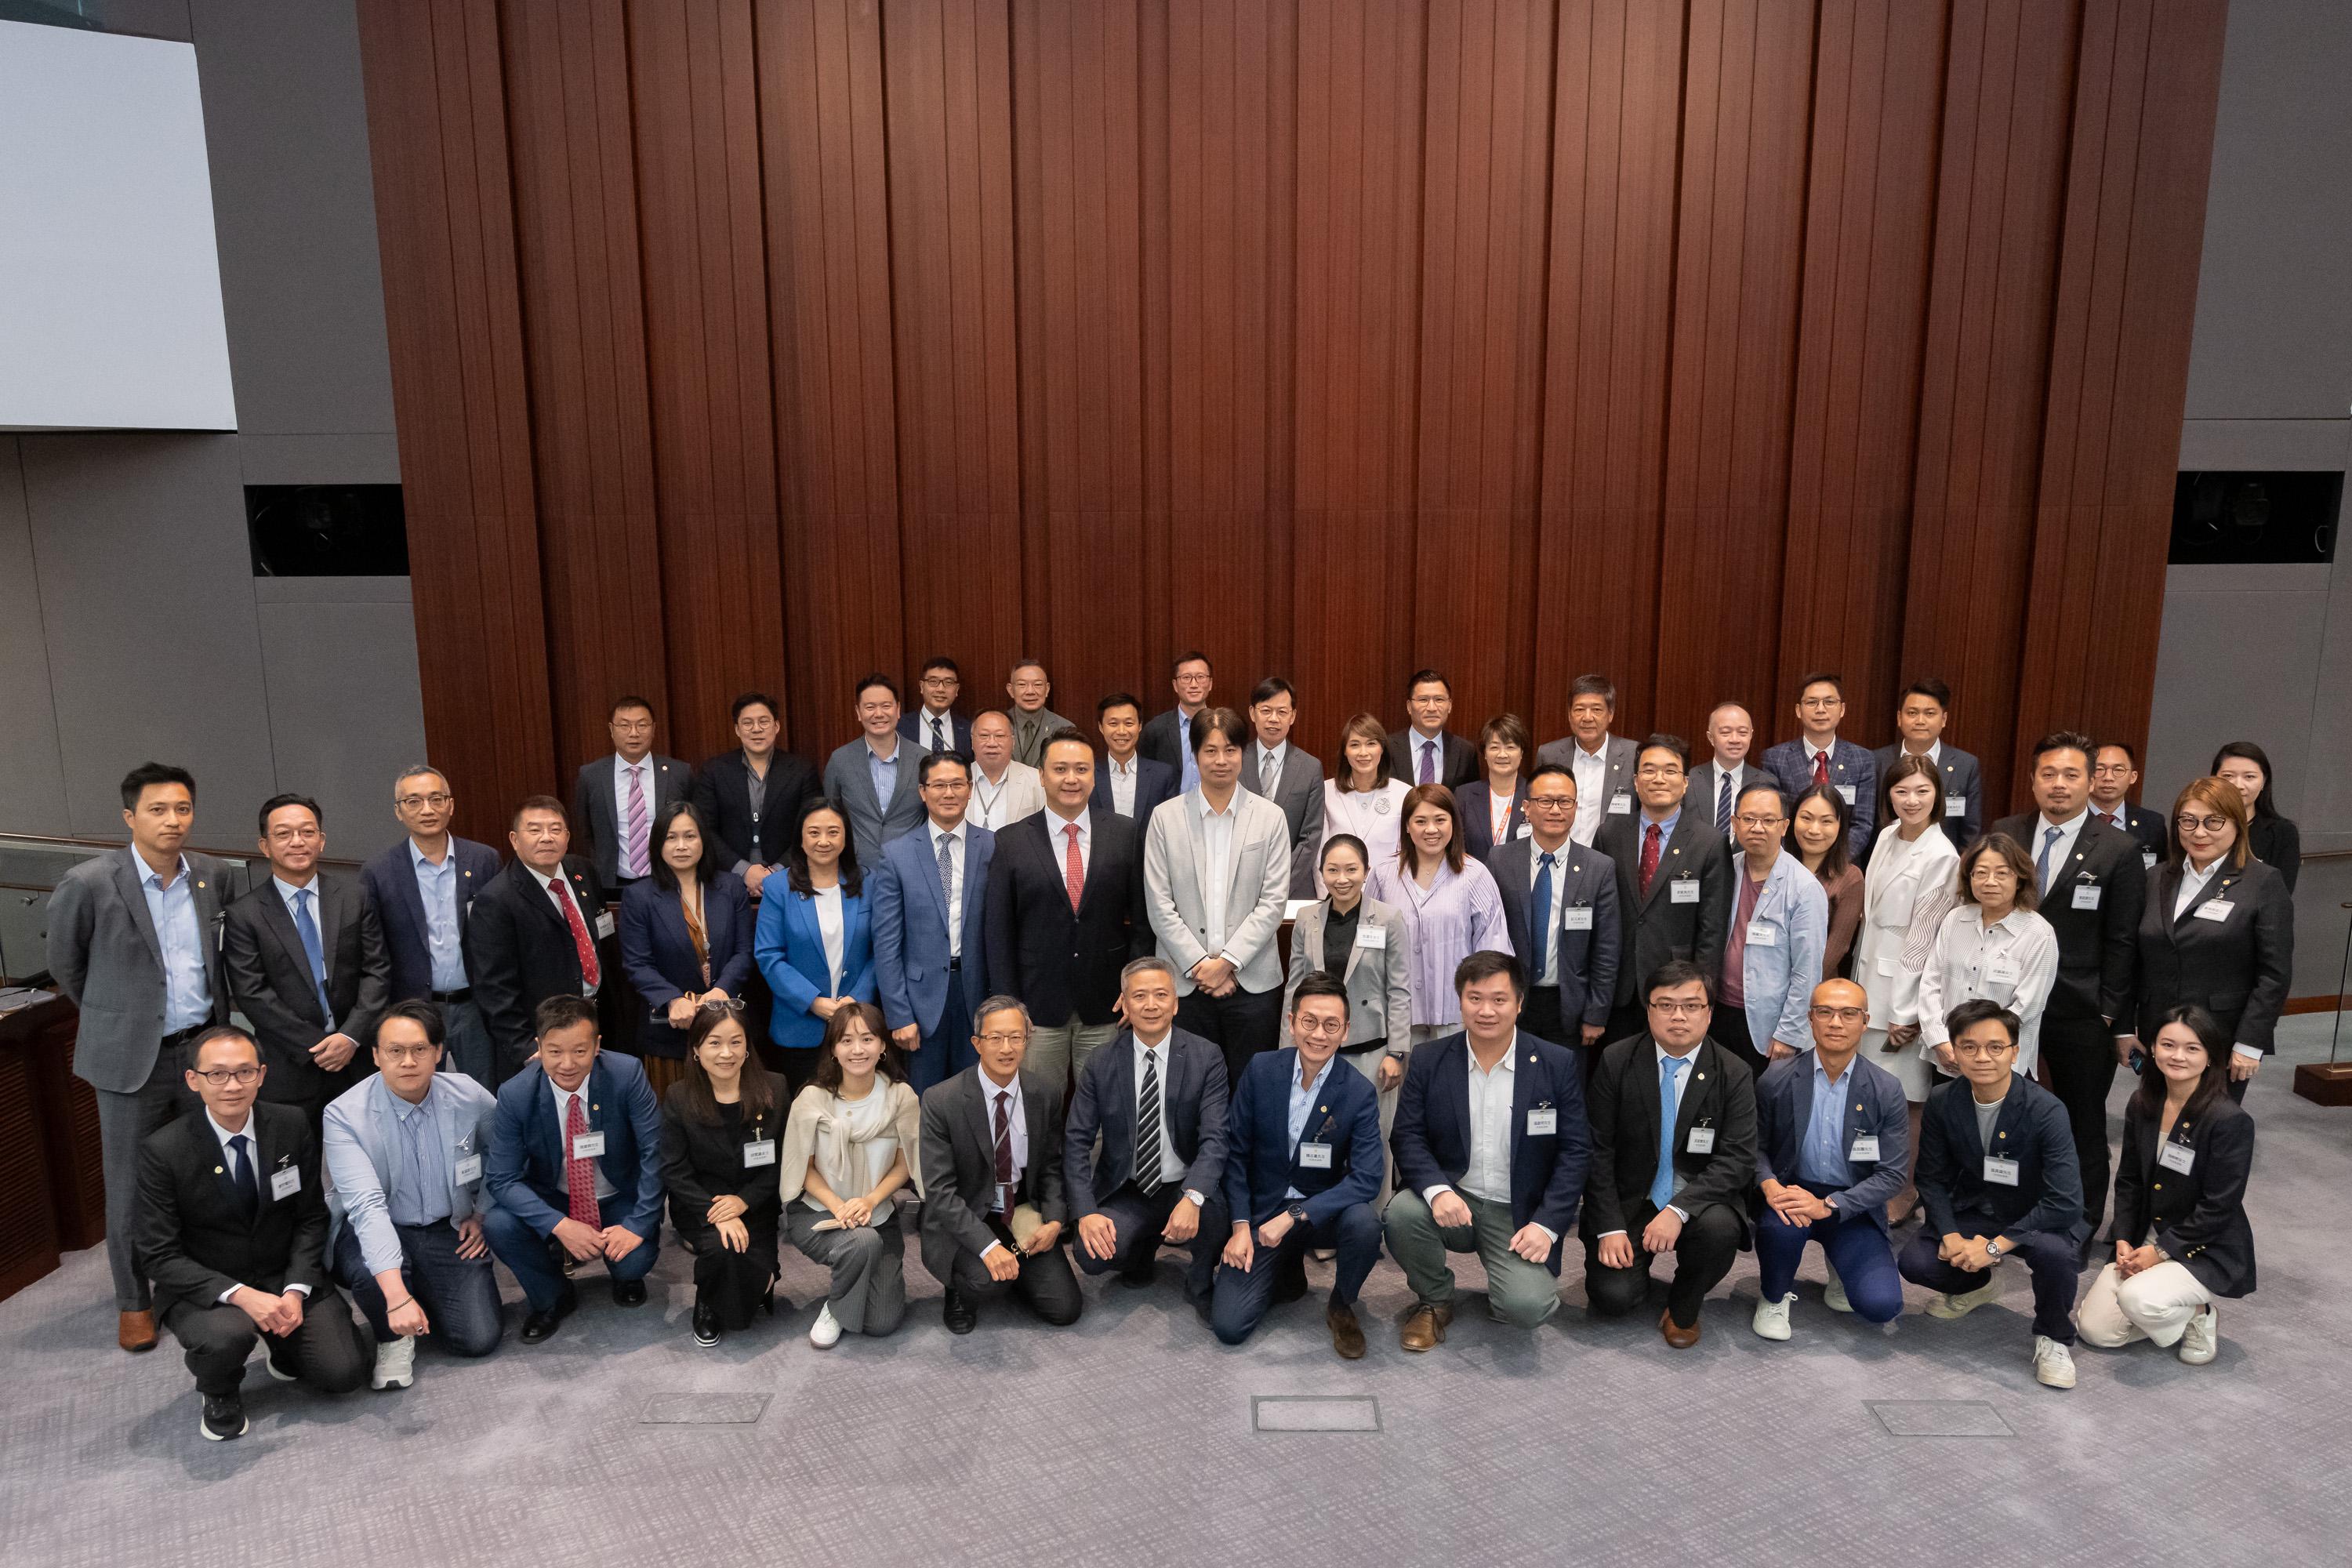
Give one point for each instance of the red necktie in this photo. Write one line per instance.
(580, 945)
(1821, 767)
(1649, 857)
(1074, 876)
(1005, 1183)
(579, 1170)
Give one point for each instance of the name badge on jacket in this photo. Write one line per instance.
(604, 926)
(1866, 1148)
(1956, 805)
(1845, 793)
(1683, 891)
(470, 1169)
(759, 1151)
(2147, 859)
(1314, 1156)
(1371, 938)
(2176, 1157)
(1576, 916)
(1620, 804)
(2001, 1172)
(2001, 971)
(588, 1145)
(1702, 1140)
(285, 1184)
(1543, 1122)
(1763, 934)
(2086, 897)
(2215, 909)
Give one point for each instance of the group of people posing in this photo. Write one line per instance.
(1681, 1009)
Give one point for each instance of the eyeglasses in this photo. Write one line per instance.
(221, 1077)
(407, 1053)
(1551, 802)
(1316, 1028)
(1680, 1009)
(1004, 1039)
(1982, 1047)
(412, 802)
(721, 1004)
(2200, 824)
(1659, 770)
(1749, 821)
(1841, 1015)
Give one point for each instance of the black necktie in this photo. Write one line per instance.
(240, 1175)
(938, 738)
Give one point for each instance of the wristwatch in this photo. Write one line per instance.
(1993, 1247)
(1297, 1213)
(1198, 1201)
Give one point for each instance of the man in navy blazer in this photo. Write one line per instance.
(1128, 784)
(1998, 1176)
(932, 968)
(1156, 1097)
(1571, 964)
(1491, 1148)
(1303, 1166)
(933, 723)
(573, 1115)
(1832, 1142)
(1919, 718)
(1819, 757)
(422, 890)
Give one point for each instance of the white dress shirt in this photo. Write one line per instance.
(622, 768)
(1122, 784)
(831, 928)
(1489, 1175)
(1548, 959)
(1263, 763)
(2013, 962)
(260, 1179)
(1170, 1167)
(996, 807)
(1217, 865)
(1017, 1130)
(1084, 821)
(1814, 753)
(293, 899)
(2193, 884)
(1591, 771)
(560, 899)
(563, 1099)
(954, 840)
(2069, 831)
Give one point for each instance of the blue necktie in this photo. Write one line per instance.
(1190, 779)
(2042, 862)
(1723, 808)
(308, 929)
(1539, 916)
(240, 1175)
(1661, 1186)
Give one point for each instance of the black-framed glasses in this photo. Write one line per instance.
(221, 1077)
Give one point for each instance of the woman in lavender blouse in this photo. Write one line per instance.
(1449, 901)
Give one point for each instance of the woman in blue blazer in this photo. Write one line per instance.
(685, 934)
(815, 942)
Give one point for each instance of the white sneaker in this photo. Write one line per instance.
(395, 1364)
(1967, 1301)
(1771, 1319)
(2202, 1339)
(2053, 1364)
(270, 1360)
(1834, 1294)
(824, 1334)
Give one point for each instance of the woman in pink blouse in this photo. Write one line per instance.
(1449, 901)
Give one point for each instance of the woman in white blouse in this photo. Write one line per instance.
(1994, 947)
(1912, 883)
(849, 1149)
(1359, 798)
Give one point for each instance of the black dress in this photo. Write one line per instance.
(701, 1160)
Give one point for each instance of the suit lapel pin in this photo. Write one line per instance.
(1702, 1078)
(217, 1170)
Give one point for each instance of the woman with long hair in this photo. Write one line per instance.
(815, 942)
(720, 1123)
(2272, 840)
(1912, 883)
(1361, 796)
(850, 1147)
(1816, 836)
(686, 935)
(1451, 905)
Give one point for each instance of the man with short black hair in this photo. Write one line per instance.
(1167, 739)
(873, 778)
(1425, 751)
(1773, 943)
(1819, 757)
(1921, 713)
(421, 891)
(933, 723)
(536, 929)
(752, 797)
(618, 797)
(1279, 771)
(928, 900)
(1034, 723)
(1601, 763)
(1674, 881)
(1128, 783)
(2115, 769)
(1559, 903)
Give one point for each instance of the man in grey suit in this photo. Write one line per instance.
(1920, 715)
(1282, 772)
(1600, 764)
(1216, 875)
(1715, 785)
(929, 902)
(873, 776)
(617, 798)
(1559, 903)
(134, 943)
(1034, 723)
(305, 958)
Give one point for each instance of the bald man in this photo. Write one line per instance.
(1832, 1142)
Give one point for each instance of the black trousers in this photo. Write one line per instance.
(325, 1352)
(1703, 1255)
(1046, 1281)
(2080, 1056)
(1539, 1016)
(1242, 1024)
(1138, 1221)
(1730, 1030)
(732, 1282)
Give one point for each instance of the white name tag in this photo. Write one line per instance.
(2214, 910)
(1702, 1140)
(2000, 971)
(1543, 1123)
(1865, 1147)
(1845, 793)
(2087, 898)
(1683, 891)
(759, 1151)
(1373, 938)
(2001, 1172)
(605, 925)
(1956, 805)
(2147, 859)
(1525, 829)
(1620, 804)
(1576, 916)
(286, 1182)
(1314, 1156)
(2176, 1157)
(470, 1169)
(588, 1146)
(1763, 934)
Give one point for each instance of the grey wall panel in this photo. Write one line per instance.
(2239, 660)
(147, 608)
(32, 776)
(340, 655)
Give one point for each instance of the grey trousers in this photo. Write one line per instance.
(1060, 1054)
(868, 1264)
(1525, 1293)
(124, 1123)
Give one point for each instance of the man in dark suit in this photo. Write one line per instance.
(575, 1169)
(1817, 756)
(1279, 771)
(754, 796)
(1715, 785)
(134, 942)
(1065, 913)
(928, 898)
(933, 723)
(1303, 1167)
(1167, 739)
(535, 930)
(2115, 772)
(2094, 886)
(1674, 882)
(1920, 715)
(422, 890)
(1490, 1145)
(1559, 903)
(1425, 751)
(1032, 722)
(873, 778)
(1601, 763)
(617, 798)
(233, 1230)
(1156, 1097)
(992, 1205)
(306, 964)
(1997, 1176)
(1128, 783)
(1665, 1182)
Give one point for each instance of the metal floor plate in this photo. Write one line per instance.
(1939, 1419)
(704, 1409)
(1315, 1413)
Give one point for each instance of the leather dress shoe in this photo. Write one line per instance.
(628, 1292)
(1347, 1334)
(1425, 1326)
(1681, 1338)
(957, 1314)
(537, 1327)
(135, 1331)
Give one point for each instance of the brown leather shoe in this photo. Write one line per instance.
(1425, 1326)
(1347, 1334)
(135, 1331)
(1680, 1337)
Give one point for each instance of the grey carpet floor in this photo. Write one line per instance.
(1130, 1437)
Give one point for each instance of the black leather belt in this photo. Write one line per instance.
(954, 964)
(464, 993)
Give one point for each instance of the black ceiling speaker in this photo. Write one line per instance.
(2276, 518)
(327, 531)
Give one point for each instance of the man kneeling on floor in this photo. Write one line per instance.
(233, 1230)
(1490, 1150)
(1832, 1142)
(1997, 1175)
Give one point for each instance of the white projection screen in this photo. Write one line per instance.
(110, 282)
